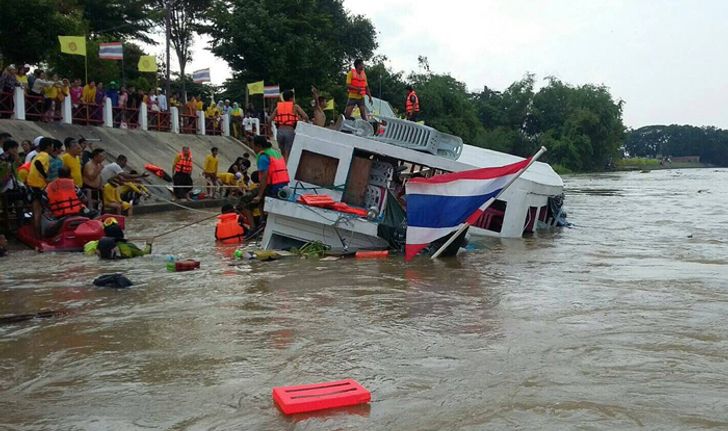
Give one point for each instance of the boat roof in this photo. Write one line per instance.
(538, 172)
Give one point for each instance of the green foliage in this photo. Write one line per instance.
(445, 105)
(290, 42)
(29, 29)
(710, 143)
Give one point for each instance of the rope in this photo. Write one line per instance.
(177, 204)
(151, 239)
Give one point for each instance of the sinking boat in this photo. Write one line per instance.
(363, 167)
(66, 234)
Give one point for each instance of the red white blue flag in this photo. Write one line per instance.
(271, 91)
(200, 76)
(439, 205)
(111, 51)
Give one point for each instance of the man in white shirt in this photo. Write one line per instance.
(34, 151)
(116, 171)
(162, 101)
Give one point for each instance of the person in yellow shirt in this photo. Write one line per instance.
(357, 87)
(113, 202)
(72, 160)
(199, 103)
(88, 95)
(37, 179)
(209, 171)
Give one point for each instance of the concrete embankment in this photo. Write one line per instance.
(140, 147)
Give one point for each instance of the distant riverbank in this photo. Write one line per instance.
(641, 164)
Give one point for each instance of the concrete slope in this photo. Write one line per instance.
(138, 146)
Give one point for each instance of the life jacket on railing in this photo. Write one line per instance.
(184, 165)
(228, 229)
(62, 198)
(285, 115)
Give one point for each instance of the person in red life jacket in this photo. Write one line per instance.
(272, 170)
(285, 116)
(64, 198)
(412, 104)
(357, 87)
(229, 228)
(182, 178)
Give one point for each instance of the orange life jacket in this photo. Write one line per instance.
(184, 165)
(62, 197)
(156, 170)
(277, 170)
(285, 115)
(228, 229)
(24, 167)
(359, 81)
(412, 107)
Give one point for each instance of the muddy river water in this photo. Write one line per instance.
(618, 322)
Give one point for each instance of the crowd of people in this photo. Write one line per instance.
(66, 178)
(71, 177)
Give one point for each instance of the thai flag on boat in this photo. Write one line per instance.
(202, 75)
(439, 205)
(271, 91)
(111, 51)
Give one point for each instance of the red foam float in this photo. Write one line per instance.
(186, 265)
(372, 254)
(320, 396)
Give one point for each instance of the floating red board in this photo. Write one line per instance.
(316, 200)
(320, 396)
(186, 265)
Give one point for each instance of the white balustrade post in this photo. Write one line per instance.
(256, 123)
(108, 113)
(143, 116)
(67, 111)
(174, 121)
(200, 122)
(226, 125)
(19, 99)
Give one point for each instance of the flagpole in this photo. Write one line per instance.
(490, 201)
(85, 62)
(123, 78)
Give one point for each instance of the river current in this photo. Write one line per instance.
(618, 322)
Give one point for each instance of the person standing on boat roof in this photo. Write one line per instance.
(286, 115)
(357, 86)
(412, 104)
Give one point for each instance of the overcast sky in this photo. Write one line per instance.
(665, 58)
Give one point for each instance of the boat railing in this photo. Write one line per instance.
(415, 136)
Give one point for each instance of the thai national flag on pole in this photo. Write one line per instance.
(439, 205)
(200, 76)
(271, 92)
(111, 51)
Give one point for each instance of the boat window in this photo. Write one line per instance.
(317, 169)
(492, 218)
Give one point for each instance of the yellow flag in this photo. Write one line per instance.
(256, 87)
(329, 105)
(75, 45)
(147, 63)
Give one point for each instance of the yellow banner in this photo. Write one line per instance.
(329, 105)
(75, 45)
(147, 63)
(256, 87)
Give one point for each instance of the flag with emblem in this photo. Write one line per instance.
(111, 51)
(75, 45)
(256, 87)
(329, 105)
(147, 63)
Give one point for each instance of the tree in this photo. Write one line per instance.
(446, 105)
(295, 43)
(118, 19)
(29, 29)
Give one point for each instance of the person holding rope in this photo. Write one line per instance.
(182, 178)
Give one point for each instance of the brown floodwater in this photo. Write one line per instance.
(619, 322)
